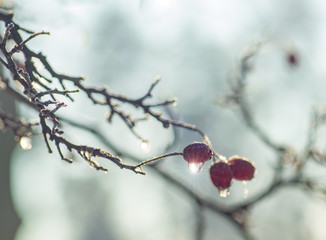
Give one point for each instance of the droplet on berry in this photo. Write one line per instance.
(242, 168)
(221, 176)
(245, 189)
(196, 154)
(224, 192)
(195, 167)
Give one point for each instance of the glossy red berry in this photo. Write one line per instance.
(242, 168)
(196, 154)
(221, 175)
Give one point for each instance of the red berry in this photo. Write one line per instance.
(196, 154)
(292, 59)
(221, 175)
(242, 168)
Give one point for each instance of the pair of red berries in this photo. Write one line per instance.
(221, 172)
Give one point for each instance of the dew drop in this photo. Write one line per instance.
(145, 146)
(25, 143)
(224, 192)
(175, 102)
(195, 167)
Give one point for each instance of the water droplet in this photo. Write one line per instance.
(25, 143)
(195, 167)
(245, 189)
(224, 192)
(175, 102)
(145, 146)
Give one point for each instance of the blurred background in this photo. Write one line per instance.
(194, 46)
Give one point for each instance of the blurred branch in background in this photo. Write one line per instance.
(9, 219)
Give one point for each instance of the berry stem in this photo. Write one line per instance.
(219, 156)
(158, 158)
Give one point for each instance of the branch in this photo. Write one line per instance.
(19, 47)
(86, 152)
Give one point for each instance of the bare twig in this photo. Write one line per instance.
(19, 47)
(158, 158)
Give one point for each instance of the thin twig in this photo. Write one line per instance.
(19, 47)
(159, 158)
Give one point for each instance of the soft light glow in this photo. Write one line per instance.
(2, 84)
(25, 143)
(195, 167)
(145, 146)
